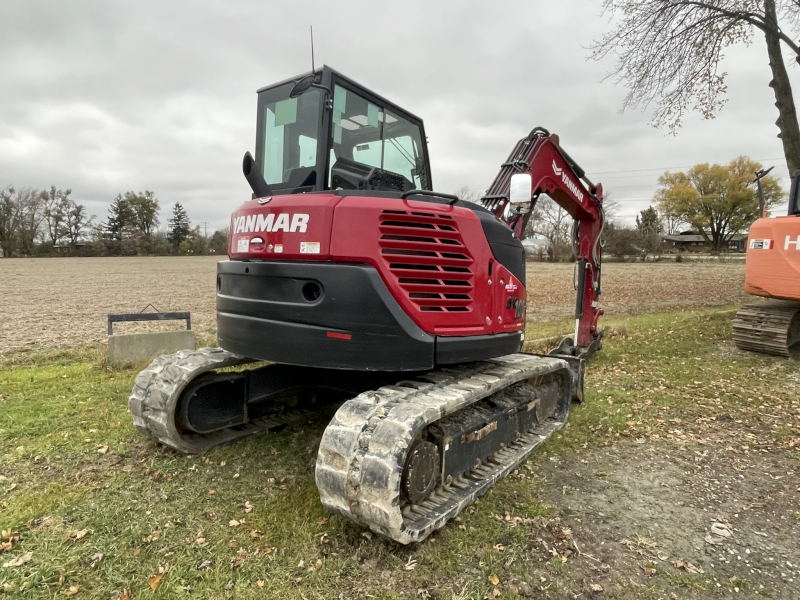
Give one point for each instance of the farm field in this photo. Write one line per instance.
(61, 303)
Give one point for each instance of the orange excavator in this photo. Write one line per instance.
(772, 271)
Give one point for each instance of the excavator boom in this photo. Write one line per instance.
(553, 172)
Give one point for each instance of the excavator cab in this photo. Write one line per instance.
(323, 131)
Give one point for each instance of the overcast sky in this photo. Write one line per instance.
(103, 96)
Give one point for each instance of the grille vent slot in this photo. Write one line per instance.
(426, 255)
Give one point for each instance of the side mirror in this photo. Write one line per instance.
(519, 196)
(302, 86)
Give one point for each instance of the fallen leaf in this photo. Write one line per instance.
(494, 579)
(256, 534)
(124, 594)
(648, 570)
(20, 560)
(96, 558)
(233, 544)
(73, 589)
(103, 449)
(234, 523)
(713, 539)
(238, 561)
(153, 536)
(200, 540)
(494, 593)
(686, 566)
(77, 535)
(595, 587)
(155, 581)
(260, 583)
(203, 565)
(322, 521)
(721, 530)
(212, 492)
(248, 507)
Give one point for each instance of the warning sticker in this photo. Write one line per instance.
(309, 247)
(243, 245)
(761, 244)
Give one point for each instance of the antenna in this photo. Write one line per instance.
(312, 48)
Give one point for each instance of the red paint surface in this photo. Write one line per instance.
(433, 258)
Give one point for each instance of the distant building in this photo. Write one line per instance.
(690, 241)
(535, 245)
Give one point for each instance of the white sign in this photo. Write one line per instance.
(309, 247)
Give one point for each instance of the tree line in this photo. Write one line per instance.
(49, 222)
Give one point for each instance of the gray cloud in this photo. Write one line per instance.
(105, 97)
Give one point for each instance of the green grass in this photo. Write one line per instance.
(59, 412)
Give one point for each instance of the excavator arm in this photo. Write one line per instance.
(538, 165)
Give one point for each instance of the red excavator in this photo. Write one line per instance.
(772, 270)
(401, 308)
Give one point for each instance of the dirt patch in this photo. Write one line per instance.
(695, 521)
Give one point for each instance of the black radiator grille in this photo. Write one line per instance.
(429, 260)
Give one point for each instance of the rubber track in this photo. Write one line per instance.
(155, 394)
(363, 450)
(768, 327)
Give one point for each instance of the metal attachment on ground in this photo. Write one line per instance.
(143, 316)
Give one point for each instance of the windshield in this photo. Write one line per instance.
(373, 136)
(290, 139)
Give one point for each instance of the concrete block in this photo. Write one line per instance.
(146, 346)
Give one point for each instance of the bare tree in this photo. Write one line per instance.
(553, 223)
(669, 52)
(29, 203)
(55, 208)
(9, 220)
(77, 222)
(467, 193)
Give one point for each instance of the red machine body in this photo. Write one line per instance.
(434, 258)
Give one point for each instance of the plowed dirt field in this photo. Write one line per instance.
(58, 302)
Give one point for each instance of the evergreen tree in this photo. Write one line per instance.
(649, 228)
(120, 216)
(179, 225)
